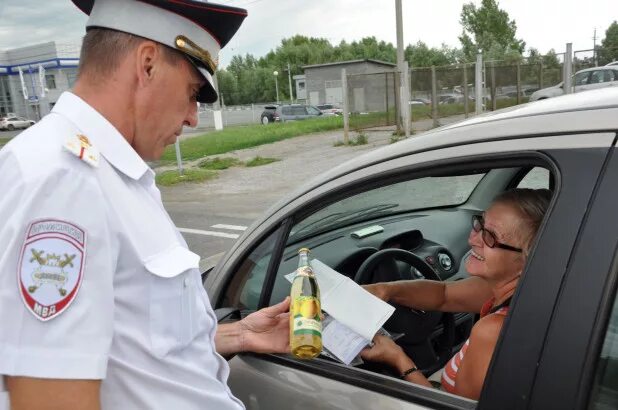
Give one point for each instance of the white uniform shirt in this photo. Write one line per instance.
(136, 314)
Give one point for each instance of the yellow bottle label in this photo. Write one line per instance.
(306, 314)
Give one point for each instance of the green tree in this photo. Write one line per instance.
(420, 55)
(609, 45)
(490, 30)
(228, 87)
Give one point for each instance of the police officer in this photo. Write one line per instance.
(101, 302)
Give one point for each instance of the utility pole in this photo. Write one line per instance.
(290, 83)
(404, 109)
(276, 73)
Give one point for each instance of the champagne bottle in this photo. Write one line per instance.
(305, 315)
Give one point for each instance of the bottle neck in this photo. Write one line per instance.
(303, 259)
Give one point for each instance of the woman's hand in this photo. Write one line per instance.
(378, 289)
(384, 350)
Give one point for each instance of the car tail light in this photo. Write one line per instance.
(276, 117)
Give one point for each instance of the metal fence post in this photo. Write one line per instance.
(406, 99)
(567, 69)
(217, 113)
(478, 83)
(388, 116)
(465, 90)
(493, 86)
(398, 109)
(181, 170)
(434, 97)
(518, 68)
(346, 108)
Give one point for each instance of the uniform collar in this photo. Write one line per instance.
(102, 134)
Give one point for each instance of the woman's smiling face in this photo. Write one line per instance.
(497, 264)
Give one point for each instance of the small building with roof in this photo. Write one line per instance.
(367, 83)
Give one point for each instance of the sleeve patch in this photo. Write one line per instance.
(50, 269)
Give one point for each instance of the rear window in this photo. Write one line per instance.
(270, 108)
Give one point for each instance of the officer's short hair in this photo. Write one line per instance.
(103, 50)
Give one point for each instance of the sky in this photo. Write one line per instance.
(542, 24)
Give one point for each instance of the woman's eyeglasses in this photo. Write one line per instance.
(488, 236)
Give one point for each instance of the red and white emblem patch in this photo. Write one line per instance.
(51, 267)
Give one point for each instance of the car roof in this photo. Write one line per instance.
(605, 67)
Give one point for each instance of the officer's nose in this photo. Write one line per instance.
(191, 118)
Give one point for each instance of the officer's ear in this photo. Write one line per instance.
(148, 58)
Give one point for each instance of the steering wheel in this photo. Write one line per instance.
(416, 325)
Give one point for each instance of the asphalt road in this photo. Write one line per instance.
(211, 215)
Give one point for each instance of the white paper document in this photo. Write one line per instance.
(342, 342)
(348, 303)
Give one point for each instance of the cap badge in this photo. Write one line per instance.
(187, 46)
(80, 146)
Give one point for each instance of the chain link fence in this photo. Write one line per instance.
(438, 92)
(373, 99)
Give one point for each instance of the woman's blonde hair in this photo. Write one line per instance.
(531, 204)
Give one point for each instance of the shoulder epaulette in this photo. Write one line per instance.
(81, 147)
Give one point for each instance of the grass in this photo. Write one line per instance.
(207, 169)
(257, 161)
(4, 141)
(219, 163)
(234, 138)
(360, 139)
(168, 178)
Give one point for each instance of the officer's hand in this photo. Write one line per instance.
(267, 330)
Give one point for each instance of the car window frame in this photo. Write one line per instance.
(413, 393)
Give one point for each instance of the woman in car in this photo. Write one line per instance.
(500, 241)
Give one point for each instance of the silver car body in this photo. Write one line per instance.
(14, 122)
(583, 80)
(560, 123)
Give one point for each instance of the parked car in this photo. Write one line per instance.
(14, 122)
(268, 115)
(329, 109)
(454, 99)
(613, 63)
(557, 349)
(291, 112)
(419, 101)
(583, 80)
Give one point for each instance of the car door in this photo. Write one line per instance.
(314, 112)
(262, 380)
(581, 81)
(300, 112)
(599, 79)
(583, 339)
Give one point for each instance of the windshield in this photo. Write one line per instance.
(429, 192)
